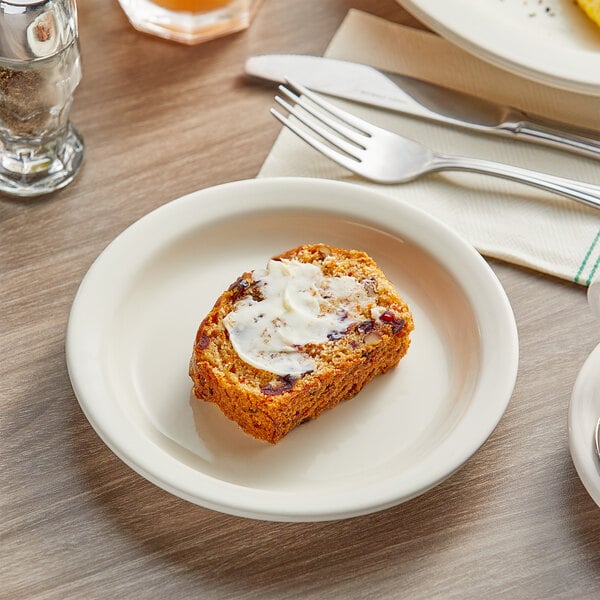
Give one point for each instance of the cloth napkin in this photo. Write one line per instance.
(502, 219)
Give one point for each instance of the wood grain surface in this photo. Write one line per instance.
(161, 120)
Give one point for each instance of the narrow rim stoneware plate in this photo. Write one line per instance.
(135, 316)
(552, 42)
(584, 412)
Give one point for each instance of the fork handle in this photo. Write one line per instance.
(585, 193)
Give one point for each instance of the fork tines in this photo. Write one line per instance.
(345, 134)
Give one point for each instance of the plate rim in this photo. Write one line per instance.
(561, 69)
(582, 449)
(254, 505)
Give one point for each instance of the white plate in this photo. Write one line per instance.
(135, 316)
(584, 412)
(559, 46)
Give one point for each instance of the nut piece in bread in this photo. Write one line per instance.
(269, 392)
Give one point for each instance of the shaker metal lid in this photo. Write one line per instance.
(35, 29)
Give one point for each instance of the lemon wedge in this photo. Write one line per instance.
(591, 9)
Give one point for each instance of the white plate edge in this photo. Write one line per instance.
(582, 450)
(448, 23)
(245, 510)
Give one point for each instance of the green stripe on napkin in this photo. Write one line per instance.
(591, 266)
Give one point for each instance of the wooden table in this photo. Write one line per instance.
(159, 121)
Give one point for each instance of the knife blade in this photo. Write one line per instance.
(410, 96)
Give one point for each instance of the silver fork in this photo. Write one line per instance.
(385, 157)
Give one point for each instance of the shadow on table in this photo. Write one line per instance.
(222, 552)
(517, 502)
(583, 522)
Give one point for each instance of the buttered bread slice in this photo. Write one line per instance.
(283, 344)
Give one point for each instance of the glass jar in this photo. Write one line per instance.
(40, 150)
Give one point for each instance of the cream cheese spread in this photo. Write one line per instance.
(299, 306)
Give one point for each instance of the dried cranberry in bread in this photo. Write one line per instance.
(282, 345)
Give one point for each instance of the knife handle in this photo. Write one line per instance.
(558, 135)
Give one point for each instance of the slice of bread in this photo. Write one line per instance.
(275, 388)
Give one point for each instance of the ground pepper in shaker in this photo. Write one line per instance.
(40, 150)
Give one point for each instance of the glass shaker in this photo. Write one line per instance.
(40, 150)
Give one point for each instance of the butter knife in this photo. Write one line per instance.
(362, 83)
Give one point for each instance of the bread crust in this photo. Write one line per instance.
(268, 406)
